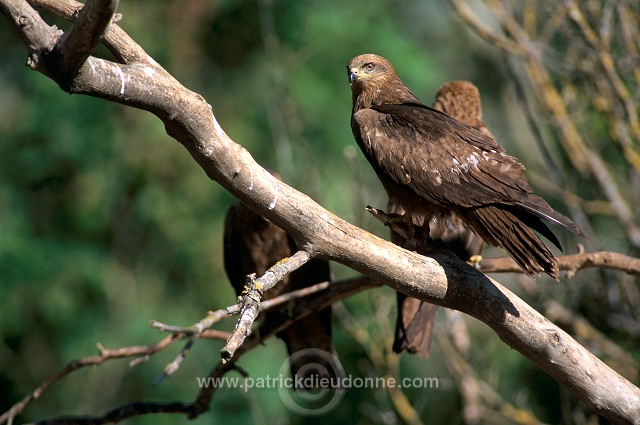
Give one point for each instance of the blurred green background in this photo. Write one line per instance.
(106, 222)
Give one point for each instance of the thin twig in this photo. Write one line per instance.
(175, 364)
(251, 300)
(105, 355)
(201, 404)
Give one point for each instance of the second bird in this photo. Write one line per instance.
(416, 318)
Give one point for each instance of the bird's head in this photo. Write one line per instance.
(374, 81)
(460, 100)
(369, 69)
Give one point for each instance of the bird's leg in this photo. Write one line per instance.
(401, 224)
(416, 238)
(421, 235)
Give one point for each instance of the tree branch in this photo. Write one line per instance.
(253, 295)
(308, 300)
(441, 279)
(75, 46)
(571, 263)
(105, 355)
(116, 40)
(123, 412)
(302, 308)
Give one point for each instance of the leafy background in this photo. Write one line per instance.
(108, 223)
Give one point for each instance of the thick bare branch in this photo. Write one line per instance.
(38, 37)
(75, 46)
(117, 41)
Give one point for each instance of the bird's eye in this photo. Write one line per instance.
(369, 66)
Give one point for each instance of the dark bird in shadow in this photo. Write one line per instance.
(252, 244)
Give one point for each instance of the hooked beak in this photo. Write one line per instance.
(354, 73)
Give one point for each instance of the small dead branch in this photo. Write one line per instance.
(571, 263)
(251, 300)
(308, 300)
(141, 351)
(175, 364)
(310, 303)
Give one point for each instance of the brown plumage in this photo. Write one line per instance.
(461, 101)
(416, 318)
(252, 244)
(434, 166)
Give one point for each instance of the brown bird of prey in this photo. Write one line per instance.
(416, 318)
(434, 166)
(252, 244)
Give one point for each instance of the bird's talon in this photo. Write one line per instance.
(475, 261)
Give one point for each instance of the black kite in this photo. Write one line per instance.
(252, 244)
(434, 166)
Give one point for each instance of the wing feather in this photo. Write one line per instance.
(445, 162)
(418, 145)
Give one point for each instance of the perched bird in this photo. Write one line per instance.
(461, 100)
(434, 166)
(252, 244)
(416, 318)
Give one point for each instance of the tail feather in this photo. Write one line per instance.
(540, 208)
(536, 224)
(414, 325)
(500, 227)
